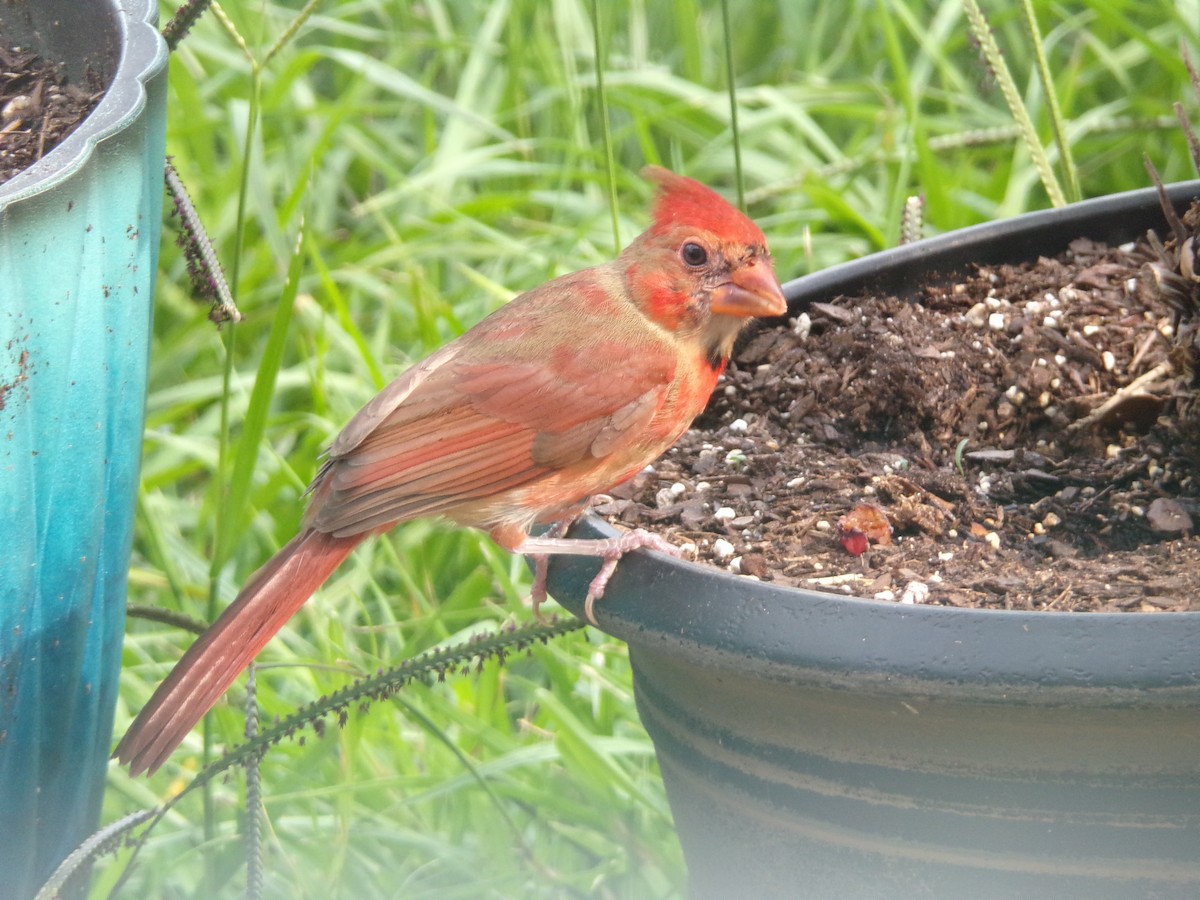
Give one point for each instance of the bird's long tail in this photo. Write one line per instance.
(210, 665)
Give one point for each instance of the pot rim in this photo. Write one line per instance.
(1114, 219)
(705, 613)
(143, 55)
(708, 616)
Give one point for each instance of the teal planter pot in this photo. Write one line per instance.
(79, 234)
(814, 745)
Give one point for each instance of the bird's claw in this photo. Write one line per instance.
(638, 539)
(608, 549)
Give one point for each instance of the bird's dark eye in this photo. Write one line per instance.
(693, 254)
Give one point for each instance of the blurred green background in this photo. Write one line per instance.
(414, 165)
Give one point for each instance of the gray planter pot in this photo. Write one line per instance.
(79, 234)
(814, 745)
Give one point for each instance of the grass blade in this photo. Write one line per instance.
(254, 425)
(1066, 157)
(982, 33)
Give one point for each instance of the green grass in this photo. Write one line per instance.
(394, 172)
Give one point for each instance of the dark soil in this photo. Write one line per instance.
(38, 108)
(1070, 381)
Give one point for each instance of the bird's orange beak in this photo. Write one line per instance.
(752, 290)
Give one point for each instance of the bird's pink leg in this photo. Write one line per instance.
(609, 549)
(541, 566)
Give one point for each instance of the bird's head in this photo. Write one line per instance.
(702, 269)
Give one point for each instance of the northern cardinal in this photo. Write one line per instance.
(566, 391)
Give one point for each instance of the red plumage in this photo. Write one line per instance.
(564, 392)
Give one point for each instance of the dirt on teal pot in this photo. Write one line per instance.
(79, 234)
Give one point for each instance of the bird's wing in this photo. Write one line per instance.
(474, 423)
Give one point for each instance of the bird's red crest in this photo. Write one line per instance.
(682, 201)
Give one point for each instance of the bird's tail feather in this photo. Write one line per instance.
(213, 662)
